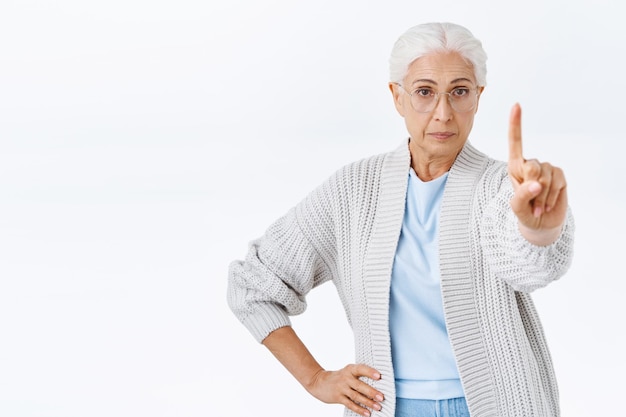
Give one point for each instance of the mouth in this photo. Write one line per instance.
(441, 135)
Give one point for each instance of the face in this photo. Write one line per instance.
(442, 132)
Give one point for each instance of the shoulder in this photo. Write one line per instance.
(492, 184)
(351, 189)
(375, 162)
(491, 170)
(370, 169)
(357, 182)
(495, 179)
(479, 172)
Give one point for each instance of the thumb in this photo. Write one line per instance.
(524, 194)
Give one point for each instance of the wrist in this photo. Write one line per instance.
(540, 237)
(312, 381)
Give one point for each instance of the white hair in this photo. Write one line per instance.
(427, 38)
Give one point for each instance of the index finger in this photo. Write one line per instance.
(515, 133)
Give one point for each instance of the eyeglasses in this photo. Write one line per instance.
(461, 99)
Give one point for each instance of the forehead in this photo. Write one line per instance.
(442, 68)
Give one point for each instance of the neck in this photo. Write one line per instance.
(428, 165)
(427, 169)
(431, 171)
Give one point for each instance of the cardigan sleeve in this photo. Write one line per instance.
(510, 256)
(282, 266)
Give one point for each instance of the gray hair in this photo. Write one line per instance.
(427, 38)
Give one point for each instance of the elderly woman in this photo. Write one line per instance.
(434, 249)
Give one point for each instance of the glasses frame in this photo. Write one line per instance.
(437, 95)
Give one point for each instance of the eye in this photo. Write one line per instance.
(460, 92)
(423, 92)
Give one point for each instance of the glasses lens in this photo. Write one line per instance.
(461, 99)
(423, 100)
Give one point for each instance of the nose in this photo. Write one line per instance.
(443, 108)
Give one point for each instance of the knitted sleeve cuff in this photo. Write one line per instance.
(524, 266)
(264, 320)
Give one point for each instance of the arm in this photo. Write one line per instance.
(281, 267)
(296, 254)
(527, 229)
(332, 387)
(512, 257)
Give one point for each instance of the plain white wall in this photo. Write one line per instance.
(143, 144)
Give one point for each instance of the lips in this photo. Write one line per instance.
(441, 135)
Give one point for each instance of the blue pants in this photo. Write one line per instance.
(454, 407)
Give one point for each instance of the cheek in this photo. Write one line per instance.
(466, 124)
(416, 124)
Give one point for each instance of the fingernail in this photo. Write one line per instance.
(534, 187)
(376, 375)
(377, 407)
(366, 413)
(537, 212)
(379, 397)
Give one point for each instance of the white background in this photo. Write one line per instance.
(143, 144)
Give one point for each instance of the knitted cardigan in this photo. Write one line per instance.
(347, 231)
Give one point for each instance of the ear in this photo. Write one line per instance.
(480, 92)
(398, 97)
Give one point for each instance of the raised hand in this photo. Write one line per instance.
(540, 200)
(345, 387)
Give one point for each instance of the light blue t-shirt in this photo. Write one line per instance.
(423, 362)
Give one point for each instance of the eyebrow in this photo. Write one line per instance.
(456, 80)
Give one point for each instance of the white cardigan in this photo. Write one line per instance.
(347, 231)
